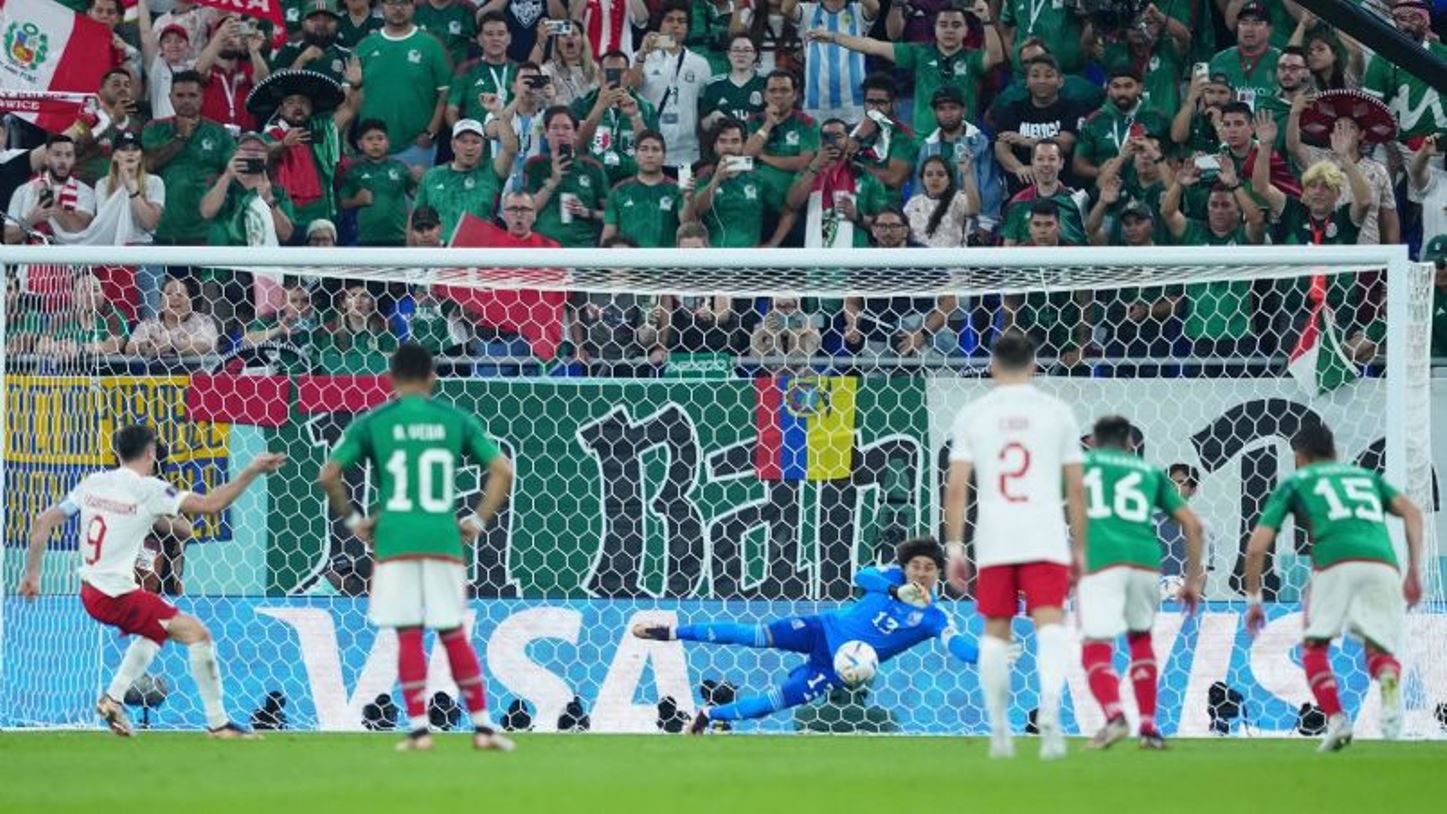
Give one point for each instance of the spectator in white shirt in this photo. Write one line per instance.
(53, 200)
(165, 52)
(1427, 185)
(672, 77)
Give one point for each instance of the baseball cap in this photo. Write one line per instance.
(311, 7)
(174, 27)
(125, 140)
(425, 217)
(1136, 209)
(1220, 79)
(947, 94)
(467, 126)
(1435, 250)
(321, 225)
(1254, 9)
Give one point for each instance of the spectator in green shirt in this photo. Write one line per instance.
(469, 184)
(188, 153)
(838, 198)
(569, 190)
(356, 23)
(1218, 314)
(1057, 23)
(492, 73)
(407, 77)
(1197, 123)
(646, 207)
(730, 198)
(318, 49)
(1124, 116)
(296, 325)
(377, 186)
(244, 207)
(1250, 64)
(451, 22)
(611, 117)
(946, 61)
(358, 342)
(1046, 162)
(783, 139)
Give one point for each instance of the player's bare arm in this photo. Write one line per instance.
(1195, 545)
(1262, 538)
(1075, 515)
(957, 496)
(1403, 507)
(40, 531)
(218, 499)
(499, 484)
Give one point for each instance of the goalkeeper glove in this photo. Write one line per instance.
(911, 593)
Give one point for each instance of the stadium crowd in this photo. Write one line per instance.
(713, 123)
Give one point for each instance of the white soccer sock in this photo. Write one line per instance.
(995, 680)
(1053, 642)
(208, 680)
(481, 718)
(133, 665)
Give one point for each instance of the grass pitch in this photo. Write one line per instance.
(313, 773)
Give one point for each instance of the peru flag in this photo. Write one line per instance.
(50, 59)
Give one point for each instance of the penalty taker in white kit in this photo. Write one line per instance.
(1022, 447)
(117, 509)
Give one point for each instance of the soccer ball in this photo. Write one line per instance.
(1171, 587)
(856, 663)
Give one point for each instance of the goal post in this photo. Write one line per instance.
(669, 469)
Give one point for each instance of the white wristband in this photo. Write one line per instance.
(473, 521)
(1253, 598)
(354, 520)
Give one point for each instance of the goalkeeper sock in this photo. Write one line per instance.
(208, 679)
(1053, 642)
(1143, 678)
(753, 706)
(725, 633)
(995, 680)
(1096, 657)
(466, 672)
(1379, 663)
(133, 665)
(412, 674)
(1319, 677)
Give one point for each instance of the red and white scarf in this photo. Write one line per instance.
(605, 20)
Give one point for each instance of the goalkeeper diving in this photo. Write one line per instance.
(896, 612)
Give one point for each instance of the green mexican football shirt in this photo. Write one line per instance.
(721, 95)
(1105, 130)
(1416, 105)
(1053, 23)
(1343, 509)
(793, 137)
(384, 223)
(933, 70)
(585, 179)
(401, 78)
(647, 213)
(452, 25)
(188, 176)
(614, 139)
(416, 445)
(465, 92)
(1251, 79)
(1122, 493)
(736, 220)
(452, 192)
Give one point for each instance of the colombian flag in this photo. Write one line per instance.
(806, 427)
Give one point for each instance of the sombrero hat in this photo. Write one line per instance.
(1317, 120)
(324, 92)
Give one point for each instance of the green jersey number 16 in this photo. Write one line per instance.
(1130, 503)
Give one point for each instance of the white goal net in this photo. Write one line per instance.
(726, 435)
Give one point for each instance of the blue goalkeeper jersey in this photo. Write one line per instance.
(887, 624)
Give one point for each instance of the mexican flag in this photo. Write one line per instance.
(48, 55)
(1318, 362)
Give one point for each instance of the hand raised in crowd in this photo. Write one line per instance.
(981, 10)
(1025, 175)
(626, 103)
(491, 102)
(186, 126)
(352, 73)
(845, 206)
(1189, 174)
(561, 165)
(310, 54)
(1266, 128)
(1110, 190)
(295, 136)
(1226, 173)
(1344, 139)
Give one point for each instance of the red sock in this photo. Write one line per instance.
(465, 670)
(1379, 663)
(1320, 678)
(1143, 678)
(1104, 683)
(412, 672)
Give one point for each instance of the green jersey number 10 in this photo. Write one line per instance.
(434, 470)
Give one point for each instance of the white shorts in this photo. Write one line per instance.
(1115, 600)
(427, 592)
(1361, 598)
